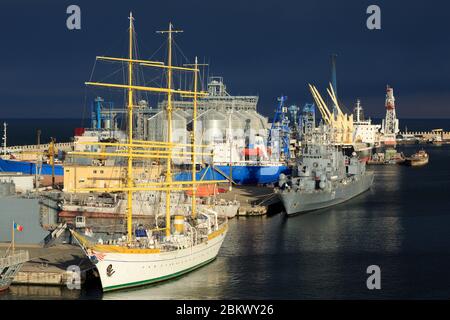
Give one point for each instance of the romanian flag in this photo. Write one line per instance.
(18, 227)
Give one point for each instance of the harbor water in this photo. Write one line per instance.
(400, 225)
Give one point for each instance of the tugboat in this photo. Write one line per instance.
(420, 158)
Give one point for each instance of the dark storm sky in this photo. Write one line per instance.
(260, 47)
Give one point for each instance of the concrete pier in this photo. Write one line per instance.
(48, 266)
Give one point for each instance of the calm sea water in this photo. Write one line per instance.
(402, 225)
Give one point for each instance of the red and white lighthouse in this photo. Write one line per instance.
(390, 125)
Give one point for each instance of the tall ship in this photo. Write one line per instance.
(324, 175)
(181, 240)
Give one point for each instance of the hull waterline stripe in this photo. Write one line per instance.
(144, 282)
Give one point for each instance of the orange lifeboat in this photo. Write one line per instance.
(255, 152)
(206, 190)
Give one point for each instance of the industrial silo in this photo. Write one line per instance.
(214, 124)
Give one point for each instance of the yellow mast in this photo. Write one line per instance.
(137, 148)
(193, 137)
(51, 151)
(169, 121)
(130, 135)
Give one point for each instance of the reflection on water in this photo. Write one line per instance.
(401, 224)
(398, 225)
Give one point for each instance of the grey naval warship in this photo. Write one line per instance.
(324, 175)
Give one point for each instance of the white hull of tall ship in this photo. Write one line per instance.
(138, 267)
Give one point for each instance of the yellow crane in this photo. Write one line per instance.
(341, 122)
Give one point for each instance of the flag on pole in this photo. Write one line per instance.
(18, 227)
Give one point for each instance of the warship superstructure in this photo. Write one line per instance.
(324, 174)
(323, 177)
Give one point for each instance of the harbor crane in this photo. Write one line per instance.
(280, 126)
(340, 121)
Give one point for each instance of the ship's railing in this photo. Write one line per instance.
(17, 257)
(248, 163)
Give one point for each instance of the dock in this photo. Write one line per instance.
(48, 266)
(254, 200)
(421, 137)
